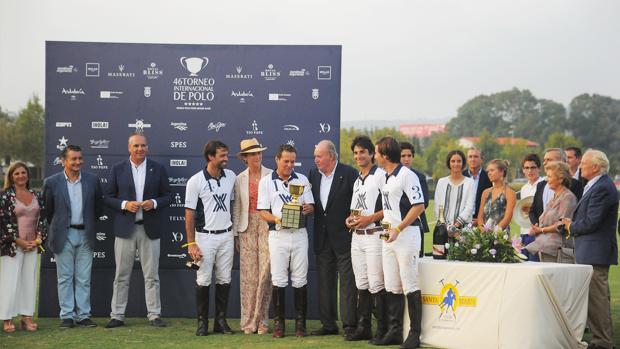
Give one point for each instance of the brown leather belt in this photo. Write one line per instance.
(367, 231)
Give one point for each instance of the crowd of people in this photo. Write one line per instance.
(573, 216)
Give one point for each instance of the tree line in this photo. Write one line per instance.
(590, 121)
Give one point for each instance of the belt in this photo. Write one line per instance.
(77, 226)
(369, 231)
(205, 231)
(140, 222)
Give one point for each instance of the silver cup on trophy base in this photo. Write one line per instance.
(292, 217)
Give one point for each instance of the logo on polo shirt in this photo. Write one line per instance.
(386, 200)
(361, 201)
(220, 202)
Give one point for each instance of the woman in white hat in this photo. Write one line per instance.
(251, 240)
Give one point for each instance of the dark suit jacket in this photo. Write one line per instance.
(537, 207)
(424, 185)
(120, 187)
(594, 224)
(329, 227)
(58, 208)
(483, 183)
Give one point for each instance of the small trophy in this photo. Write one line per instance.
(386, 226)
(355, 213)
(292, 217)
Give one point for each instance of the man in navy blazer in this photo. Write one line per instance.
(74, 202)
(332, 188)
(594, 229)
(137, 192)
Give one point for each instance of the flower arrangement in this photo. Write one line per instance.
(486, 244)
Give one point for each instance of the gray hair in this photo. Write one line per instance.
(330, 147)
(559, 151)
(598, 158)
(476, 149)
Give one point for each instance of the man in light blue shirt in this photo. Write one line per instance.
(74, 201)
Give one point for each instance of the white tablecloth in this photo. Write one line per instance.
(491, 305)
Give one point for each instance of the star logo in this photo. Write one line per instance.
(62, 143)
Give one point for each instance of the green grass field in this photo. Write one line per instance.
(180, 333)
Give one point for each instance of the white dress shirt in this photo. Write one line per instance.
(139, 177)
(326, 184)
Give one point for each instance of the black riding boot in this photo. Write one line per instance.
(221, 304)
(414, 305)
(301, 306)
(277, 299)
(395, 306)
(202, 308)
(379, 311)
(364, 309)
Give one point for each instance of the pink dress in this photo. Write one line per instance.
(27, 219)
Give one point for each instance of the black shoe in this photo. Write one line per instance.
(86, 323)
(115, 323)
(414, 305)
(364, 309)
(324, 332)
(221, 304)
(158, 322)
(202, 305)
(67, 323)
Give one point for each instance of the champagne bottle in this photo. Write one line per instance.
(440, 236)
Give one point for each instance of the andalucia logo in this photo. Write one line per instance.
(449, 300)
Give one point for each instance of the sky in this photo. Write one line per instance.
(402, 60)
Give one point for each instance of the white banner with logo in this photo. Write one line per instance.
(487, 305)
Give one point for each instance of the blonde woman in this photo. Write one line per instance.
(498, 202)
(252, 241)
(22, 229)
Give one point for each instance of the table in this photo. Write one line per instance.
(492, 305)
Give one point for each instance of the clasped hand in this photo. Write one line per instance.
(134, 206)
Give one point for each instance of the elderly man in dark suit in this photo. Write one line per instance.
(137, 192)
(594, 228)
(475, 171)
(73, 201)
(332, 188)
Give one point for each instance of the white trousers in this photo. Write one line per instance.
(288, 251)
(18, 284)
(400, 262)
(366, 257)
(218, 251)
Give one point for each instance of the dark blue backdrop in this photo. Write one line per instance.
(181, 96)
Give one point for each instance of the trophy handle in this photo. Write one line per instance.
(182, 60)
(206, 61)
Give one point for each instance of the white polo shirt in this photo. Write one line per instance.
(273, 194)
(400, 190)
(216, 195)
(366, 191)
